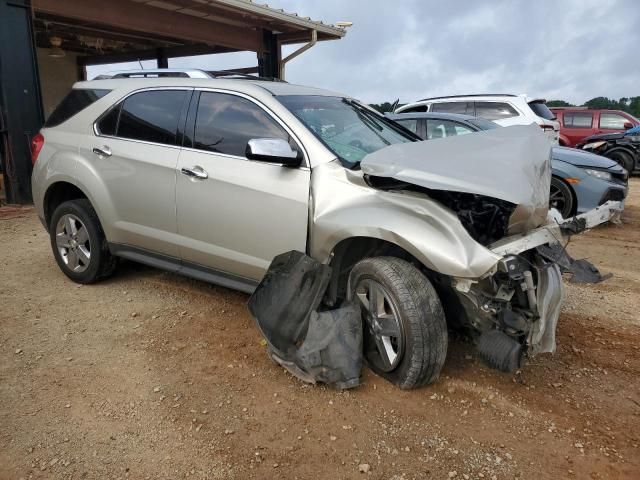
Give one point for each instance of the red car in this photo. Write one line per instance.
(577, 123)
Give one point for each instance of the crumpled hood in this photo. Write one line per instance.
(510, 163)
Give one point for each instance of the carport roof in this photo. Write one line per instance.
(95, 27)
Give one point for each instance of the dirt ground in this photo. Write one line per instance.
(151, 375)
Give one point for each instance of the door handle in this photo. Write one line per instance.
(102, 152)
(195, 172)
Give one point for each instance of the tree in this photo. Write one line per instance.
(559, 103)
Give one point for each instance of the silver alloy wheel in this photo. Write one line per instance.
(382, 323)
(72, 241)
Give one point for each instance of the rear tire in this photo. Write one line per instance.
(561, 197)
(413, 351)
(79, 244)
(624, 159)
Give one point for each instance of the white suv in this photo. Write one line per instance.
(214, 177)
(503, 109)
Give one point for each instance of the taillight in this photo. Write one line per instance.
(37, 142)
(546, 127)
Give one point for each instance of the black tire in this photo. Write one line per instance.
(561, 197)
(100, 263)
(624, 159)
(420, 316)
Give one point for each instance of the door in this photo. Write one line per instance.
(577, 125)
(234, 214)
(612, 122)
(135, 153)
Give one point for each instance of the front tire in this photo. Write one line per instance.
(405, 332)
(78, 242)
(561, 197)
(623, 159)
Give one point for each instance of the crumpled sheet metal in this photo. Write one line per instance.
(510, 163)
(581, 271)
(313, 346)
(550, 297)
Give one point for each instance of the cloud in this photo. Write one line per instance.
(571, 49)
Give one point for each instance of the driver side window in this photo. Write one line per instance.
(225, 124)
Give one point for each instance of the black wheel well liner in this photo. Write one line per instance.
(351, 250)
(58, 193)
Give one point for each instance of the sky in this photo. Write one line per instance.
(572, 50)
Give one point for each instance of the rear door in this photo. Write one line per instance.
(577, 125)
(234, 214)
(135, 153)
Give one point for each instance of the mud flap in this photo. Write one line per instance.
(313, 346)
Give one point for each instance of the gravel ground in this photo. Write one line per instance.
(151, 375)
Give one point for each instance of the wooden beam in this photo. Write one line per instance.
(152, 54)
(138, 17)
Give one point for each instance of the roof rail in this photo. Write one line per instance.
(183, 73)
(155, 73)
(471, 95)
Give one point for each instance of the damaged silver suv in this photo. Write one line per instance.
(213, 176)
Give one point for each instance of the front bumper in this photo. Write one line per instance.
(523, 295)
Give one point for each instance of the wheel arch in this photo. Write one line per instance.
(628, 151)
(58, 193)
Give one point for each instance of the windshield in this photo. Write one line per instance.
(347, 128)
(483, 123)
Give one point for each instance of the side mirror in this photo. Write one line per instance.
(627, 125)
(274, 150)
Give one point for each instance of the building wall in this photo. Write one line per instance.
(57, 75)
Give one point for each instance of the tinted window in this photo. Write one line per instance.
(74, 102)
(409, 124)
(152, 116)
(495, 110)
(418, 108)
(541, 110)
(226, 123)
(453, 107)
(612, 121)
(445, 128)
(577, 119)
(109, 122)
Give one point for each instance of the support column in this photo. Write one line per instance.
(269, 57)
(21, 114)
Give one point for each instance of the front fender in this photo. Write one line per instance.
(344, 206)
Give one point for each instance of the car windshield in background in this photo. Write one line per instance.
(347, 128)
(483, 124)
(541, 109)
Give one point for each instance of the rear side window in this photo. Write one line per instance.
(465, 108)
(409, 124)
(151, 116)
(495, 110)
(225, 124)
(445, 128)
(541, 110)
(612, 121)
(108, 124)
(577, 119)
(76, 100)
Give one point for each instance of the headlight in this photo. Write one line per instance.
(593, 145)
(598, 174)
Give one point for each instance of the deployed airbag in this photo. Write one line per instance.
(314, 346)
